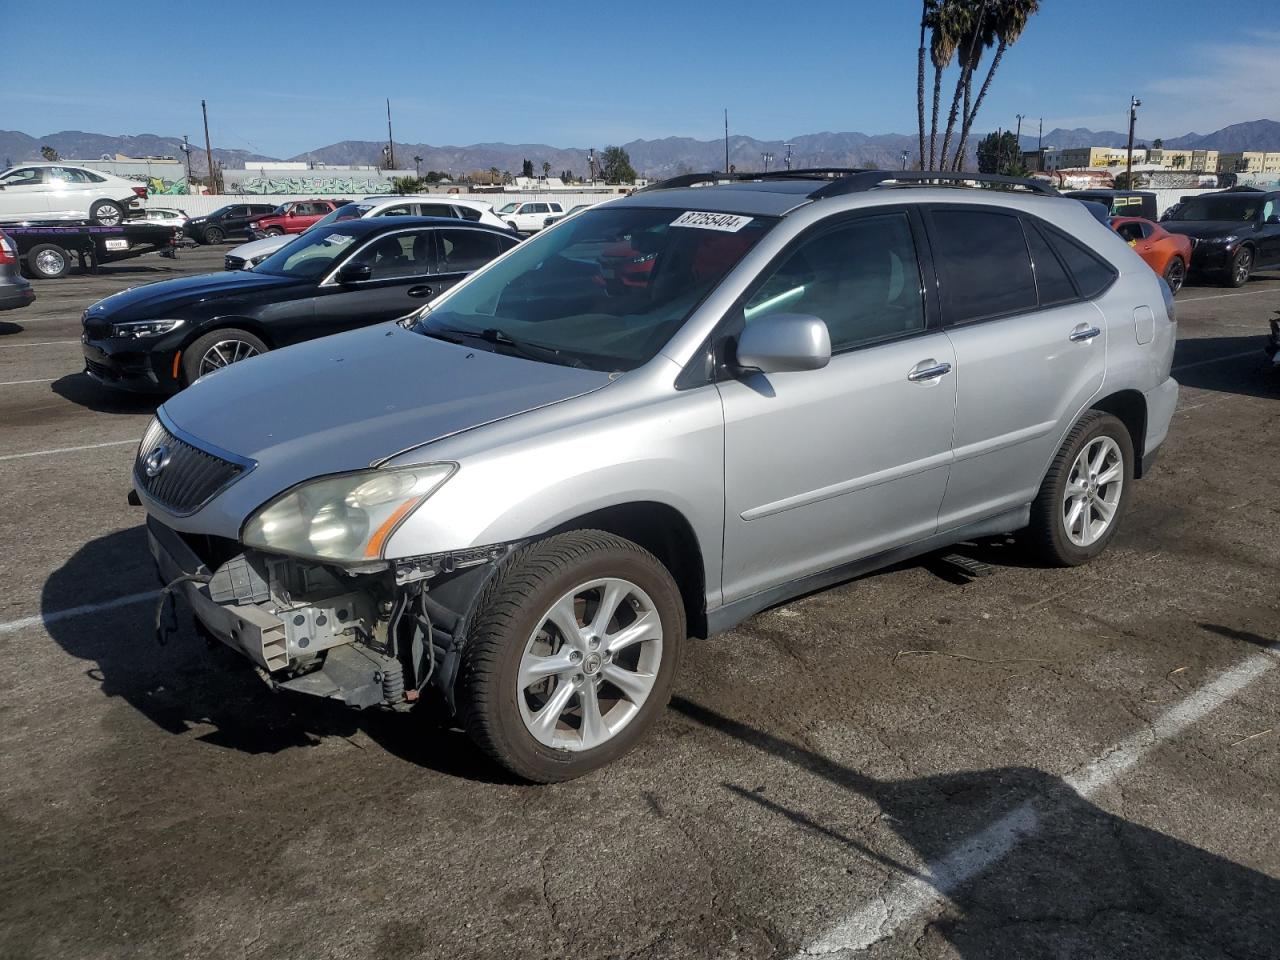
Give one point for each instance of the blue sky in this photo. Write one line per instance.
(283, 77)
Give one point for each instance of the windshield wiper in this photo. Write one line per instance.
(500, 338)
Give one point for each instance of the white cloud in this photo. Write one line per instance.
(1218, 84)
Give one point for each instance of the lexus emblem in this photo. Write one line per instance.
(156, 460)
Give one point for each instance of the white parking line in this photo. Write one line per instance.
(87, 446)
(39, 343)
(17, 383)
(80, 611)
(1203, 363)
(1219, 296)
(914, 897)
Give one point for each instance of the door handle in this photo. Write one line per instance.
(1083, 333)
(927, 370)
(420, 291)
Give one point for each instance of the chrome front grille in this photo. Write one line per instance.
(176, 474)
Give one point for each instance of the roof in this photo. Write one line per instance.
(367, 225)
(759, 199)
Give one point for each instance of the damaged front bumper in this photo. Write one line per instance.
(365, 638)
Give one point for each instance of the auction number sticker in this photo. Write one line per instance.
(727, 222)
(339, 239)
(116, 244)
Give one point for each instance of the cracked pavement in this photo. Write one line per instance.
(160, 802)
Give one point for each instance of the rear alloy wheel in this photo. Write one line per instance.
(1083, 496)
(219, 349)
(213, 235)
(47, 261)
(572, 655)
(1175, 274)
(106, 213)
(1241, 267)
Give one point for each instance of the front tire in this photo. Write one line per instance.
(572, 655)
(1240, 269)
(48, 261)
(1084, 494)
(512, 225)
(274, 232)
(106, 213)
(218, 349)
(1175, 274)
(213, 235)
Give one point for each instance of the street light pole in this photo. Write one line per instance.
(1134, 104)
(787, 158)
(208, 151)
(905, 154)
(391, 144)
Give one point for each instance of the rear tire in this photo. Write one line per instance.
(213, 235)
(1175, 274)
(1240, 269)
(519, 663)
(512, 225)
(106, 213)
(229, 343)
(48, 261)
(1084, 495)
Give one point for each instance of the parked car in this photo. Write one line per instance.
(1168, 254)
(556, 218)
(1120, 203)
(15, 291)
(230, 221)
(164, 336)
(527, 216)
(167, 216)
(523, 499)
(292, 217)
(1233, 232)
(247, 255)
(60, 191)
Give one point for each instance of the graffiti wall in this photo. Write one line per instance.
(309, 184)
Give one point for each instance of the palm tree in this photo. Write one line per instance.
(924, 26)
(971, 27)
(944, 19)
(1007, 21)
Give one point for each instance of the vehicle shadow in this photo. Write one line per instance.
(81, 389)
(1226, 365)
(8, 326)
(1046, 873)
(187, 684)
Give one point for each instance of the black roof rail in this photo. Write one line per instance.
(688, 180)
(870, 179)
(807, 173)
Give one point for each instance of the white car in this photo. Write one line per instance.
(248, 255)
(168, 216)
(58, 191)
(528, 216)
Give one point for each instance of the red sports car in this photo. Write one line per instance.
(1168, 254)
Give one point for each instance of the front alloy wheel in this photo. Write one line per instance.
(1241, 267)
(224, 353)
(570, 655)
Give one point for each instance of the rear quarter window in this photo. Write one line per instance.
(1092, 274)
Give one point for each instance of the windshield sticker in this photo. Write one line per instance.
(727, 222)
(339, 239)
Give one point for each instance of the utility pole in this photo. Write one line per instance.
(208, 151)
(726, 140)
(1040, 136)
(766, 157)
(186, 153)
(787, 158)
(391, 144)
(417, 172)
(1018, 135)
(1134, 104)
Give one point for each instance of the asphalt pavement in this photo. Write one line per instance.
(1034, 763)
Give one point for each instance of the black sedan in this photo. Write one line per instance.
(230, 221)
(1234, 232)
(162, 336)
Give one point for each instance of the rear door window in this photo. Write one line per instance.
(983, 263)
(406, 254)
(437, 210)
(466, 213)
(462, 251)
(1052, 281)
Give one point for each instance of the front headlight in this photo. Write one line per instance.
(138, 329)
(345, 518)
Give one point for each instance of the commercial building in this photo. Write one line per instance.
(1249, 161)
(1190, 161)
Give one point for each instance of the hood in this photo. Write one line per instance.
(1207, 229)
(154, 300)
(256, 248)
(348, 401)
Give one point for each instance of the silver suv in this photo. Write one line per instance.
(650, 422)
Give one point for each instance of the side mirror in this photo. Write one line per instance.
(354, 273)
(784, 343)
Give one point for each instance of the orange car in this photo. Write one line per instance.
(1166, 253)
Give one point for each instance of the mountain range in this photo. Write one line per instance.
(653, 158)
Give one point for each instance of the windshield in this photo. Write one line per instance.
(279, 211)
(605, 290)
(348, 211)
(222, 211)
(1237, 208)
(508, 207)
(309, 256)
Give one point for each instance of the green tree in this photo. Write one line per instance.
(999, 153)
(615, 165)
(527, 169)
(546, 168)
(1157, 144)
(50, 154)
(404, 185)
